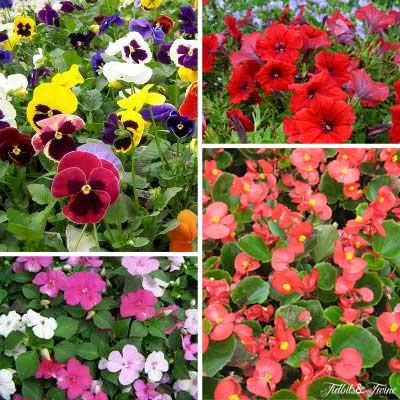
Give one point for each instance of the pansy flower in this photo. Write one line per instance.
(132, 47)
(188, 108)
(15, 147)
(92, 184)
(184, 53)
(133, 122)
(55, 137)
(180, 126)
(24, 27)
(49, 16)
(115, 71)
(137, 100)
(150, 4)
(50, 99)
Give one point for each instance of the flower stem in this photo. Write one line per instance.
(133, 178)
(80, 238)
(96, 238)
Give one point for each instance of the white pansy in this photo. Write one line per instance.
(37, 58)
(182, 47)
(13, 84)
(133, 48)
(127, 72)
(7, 113)
(155, 365)
(7, 385)
(154, 285)
(9, 323)
(188, 385)
(42, 327)
(16, 351)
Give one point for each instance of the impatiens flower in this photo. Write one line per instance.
(7, 385)
(155, 365)
(145, 391)
(50, 282)
(91, 183)
(349, 364)
(189, 348)
(83, 288)
(94, 396)
(140, 265)
(130, 363)
(188, 385)
(48, 369)
(15, 147)
(388, 325)
(32, 264)
(10, 322)
(55, 139)
(267, 374)
(41, 326)
(75, 379)
(229, 389)
(190, 323)
(217, 221)
(155, 286)
(139, 304)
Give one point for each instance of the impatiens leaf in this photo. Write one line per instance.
(32, 389)
(388, 246)
(66, 327)
(254, 247)
(250, 290)
(218, 355)
(331, 388)
(103, 319)
(360, 339)
(27, 364)
(64, 350)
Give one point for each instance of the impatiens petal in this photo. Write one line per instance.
(69, 181)
(115, 361)
(87, 208)
(82, 159)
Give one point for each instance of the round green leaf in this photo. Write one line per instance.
(221, 191)
(218, 274)
(218, 354)
(330, 388)
(27, 364)
(375, 185)
(229, 252)
(374, 262)
(254, 247)
(394, 382)
(284, 394)
(360, 339)
(64, 351)
(331, 188)
(388, 246)
(66, 327)
(32, 389)
(300, 353)
(333, 314)
(318, 319)
(324, 242)
(327, 275)
(250, 290)
(290, 313)
(371, 281)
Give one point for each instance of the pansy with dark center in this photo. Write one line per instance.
(55, 139)
(108, 21)
(187, 19)
(49, 16)
(135, 52)
(24, 27)
(69, 7)
(187, 56)
(91, 183)
(180, 126)
(15, 147)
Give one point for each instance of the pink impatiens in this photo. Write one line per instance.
(50, 282)
(140, 265)
(139, 304)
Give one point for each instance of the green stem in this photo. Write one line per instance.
(80, 237)
(96, 238)
(133, 178)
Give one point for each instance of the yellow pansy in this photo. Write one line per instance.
(11, 42)
(137, 100)
(24, 27)
(150, 4)
(133, 122)
(69, 78)
(187, 74)
(50, 99)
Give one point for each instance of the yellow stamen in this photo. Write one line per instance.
(268, 377)
(86, 189)
(358, 218)
(329, 342)
(180, 126)
(352, 188)
(246, 264)
(16, 151)
(214, 172)
(233, 397)
(345, 157)
(307, 158)
(287, 287)
(262, 176)
(381, 199)
(312, 202)
(358, 245)
(349, 256)
(246, 187)
(395, 158)
(310, 168)
(219, 320)
(58, 135)
(302, 238)
(284, 345)
(345, 171)
(190, 53)
(359, 191)
(393, 328)
(215, 219)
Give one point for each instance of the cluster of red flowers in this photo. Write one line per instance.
(292, 58)
(281, 202)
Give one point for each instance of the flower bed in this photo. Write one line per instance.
(300, 273)
(97, 124)
(316, 73)
(97, 329)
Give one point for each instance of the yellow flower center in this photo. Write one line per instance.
(233, 397)
(307, 158)
(345, 157)
(232, 235)
(393, 328)
(16, 150)
(359, 191)
(351, 188)
(86, 189)
(219, 320)
(395, 158)
(312, 202)
(381, 199)
(287, 287)
(246, 187)
(345, 171)
(284, 345)
(329, 342)
(349, 256)
(262, 176)
(358, 218)
(268, 377)
(58, 135)
(190, 53)
(310, 168)
(215, 219)
(358, 245)
(214, 172)
(50, 113)
(246, 264)
(302, 238)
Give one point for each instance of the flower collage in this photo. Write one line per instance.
(199, 200)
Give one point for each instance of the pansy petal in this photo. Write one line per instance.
(68, 182)
(104, 179)
(110, 166)
(82, 159)
(87, 208)
(37, 142)
(56, 149)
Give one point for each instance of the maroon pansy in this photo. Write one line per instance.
(55, 137)
(91, 183)
(15, 147)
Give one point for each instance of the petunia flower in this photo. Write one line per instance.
(139, 304)
(376, 20)
(83, 288)
(91, 183)
(54, 138)
(141, 266)
(155, 365)
(130, 363)
(188, 108)
(75, 379)
(50, 282)
(15, 147)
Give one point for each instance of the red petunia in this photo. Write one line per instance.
(276, 75)
(394, 133)
(325, 121)
(320, 84)
(15, 147)
(341, 28)
(91, 183)
(313, 38)
(231, 24)
(369, 92)
(241, 85)
(375, 19)
(336, 64)
(247, 123)
(210, 46)
(247, 51)
(280, 42)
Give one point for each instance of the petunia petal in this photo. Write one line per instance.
(68, 182)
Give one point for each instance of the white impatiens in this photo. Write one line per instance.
(154, 285)
(42, 327)
(155, 365)
(127, 72)
(7, 385)
(10, 322)
(187, 385)
(16, 351)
